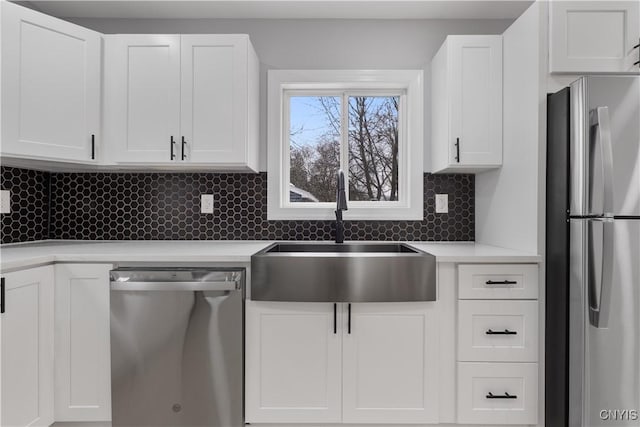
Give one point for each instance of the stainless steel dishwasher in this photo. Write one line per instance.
(177, 346)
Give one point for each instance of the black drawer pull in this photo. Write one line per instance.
(2, 295)
(172, 144)
(93, 147)
(457, 144)
(501, 396)
(505, 332)
(501, 282)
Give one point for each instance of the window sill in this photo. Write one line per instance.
(412, 213)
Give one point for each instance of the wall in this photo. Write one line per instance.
(160, 206)
(88, 206)
(323, 44)
(509, 199)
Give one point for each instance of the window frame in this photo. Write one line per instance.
(408, 84)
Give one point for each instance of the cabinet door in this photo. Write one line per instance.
(50, 86)
(293, 353)
(26, 353)
(142, 98)
(476, 101)
(594, 36)
(390, 356)
(215, 76)
(83, 374)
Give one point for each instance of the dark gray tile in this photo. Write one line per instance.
(142, 206)
(29, 217)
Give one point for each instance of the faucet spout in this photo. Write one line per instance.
(341, 205)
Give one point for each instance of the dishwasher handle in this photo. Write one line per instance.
(177, 286)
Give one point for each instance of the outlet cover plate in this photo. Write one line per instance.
(206, 203)
(442, 203)
(5, 201)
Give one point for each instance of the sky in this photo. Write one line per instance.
(306, 114)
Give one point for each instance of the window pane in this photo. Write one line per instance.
(373, 148)
(314, 144)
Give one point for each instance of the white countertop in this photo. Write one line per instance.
(18, 256)
(23, 255)
(474, 252)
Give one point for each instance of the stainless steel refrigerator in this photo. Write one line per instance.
(593, 253)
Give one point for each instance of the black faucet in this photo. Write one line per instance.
(341, 205)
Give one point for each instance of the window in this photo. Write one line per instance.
(368, 124)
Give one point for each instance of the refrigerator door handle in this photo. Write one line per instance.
(600, 126)
(599, 306)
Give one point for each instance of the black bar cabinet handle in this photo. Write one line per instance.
(349, 319)
(501, 282)
(505, 332)
(637, 47)
(2, 295)
(335, 318)
(458, 150)
(173, 143)
(183, 145)
(93, 147)
(501, 396)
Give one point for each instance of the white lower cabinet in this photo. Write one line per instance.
(502, 329)
(497, 393)
(363, 363)
(389, 368)
(26, 361)
(505, 331)
(83, 380)
(293, 370)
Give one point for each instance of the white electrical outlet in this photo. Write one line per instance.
(442, 203)
(206, 203)
(5, 201)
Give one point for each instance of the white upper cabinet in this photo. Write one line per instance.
(142, 97)
(26, 348)
(50, 87)
(466, 91)
(182, 100)
(594, 36)
(219, 114)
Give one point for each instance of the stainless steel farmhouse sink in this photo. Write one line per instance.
(343, 272)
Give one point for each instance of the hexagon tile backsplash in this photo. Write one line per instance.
(29, 216)
(163, 206)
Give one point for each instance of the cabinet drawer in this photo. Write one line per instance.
(497, 393)
(504, 331)
(498, 281)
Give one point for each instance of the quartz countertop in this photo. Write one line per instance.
(474, 252)
(24, 255)
(17, 256)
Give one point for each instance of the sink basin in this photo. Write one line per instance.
(391, 248)
(343, 272)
